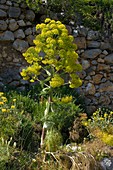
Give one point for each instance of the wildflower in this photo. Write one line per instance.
(12, 107)
(4, 110)
(94, 114)
(1, 93)
(1, 103)
(4, 98)
(32, 81)
(85, 123)
(105, 115)
(56, 81)
(47, 20)
(14, 100)
(66, 99)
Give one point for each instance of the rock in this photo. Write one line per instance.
(14, 12)
(97, 78)
(105, 46)
(3, 25)
(30, 39)
(88, 78)
(92, 73)
(93, 44)
(82, 74)
(1, 85)
(103, 67)
(111, 76)
(8, 59)
(20, 45)
(14, 84)
(3, 1)
(23, 82)
(75, 33)
(13, 25)
(21, 23)
(97, 95)
(85, 64)
(16, 4)
(100, 60)
(90, 89)
(8, 3)
(3, 14)
(28, 23)
(7, 36)
(91, 54)
(80, 42)
(87, 101)
(22, 17)
(28, 31)
(82, 31)
(107, 163)
(92, 35)
(107, 86)
(109, 59)
(105, 52)
(94, 62)
(4, 7)
(16, 60)
(19, 34)
(30, 15)
(104, 100)
(90, 109)
(22, 88)
(23, 5)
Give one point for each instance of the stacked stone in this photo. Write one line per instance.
(16, 35)
(96, 57)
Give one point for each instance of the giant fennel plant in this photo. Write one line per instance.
(52, 61)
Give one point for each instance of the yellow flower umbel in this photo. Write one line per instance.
(54, 51)
(56, 81)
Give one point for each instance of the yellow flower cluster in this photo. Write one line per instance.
(31, 72)
(101, 125)
(4, 107)
(56, 81)
(58, 53)
(66, 99)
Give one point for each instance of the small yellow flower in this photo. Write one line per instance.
(1, 93)
(4, 110)
(94, 114)
(32, 81)
(85, 123)
(14, 100)
(105, 115)
(4, 99)
(101, 118)
(12, 107)
(1, 103)
(47, 20)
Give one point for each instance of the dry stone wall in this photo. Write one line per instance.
(17, 31)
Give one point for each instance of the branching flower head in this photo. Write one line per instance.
(54, 52)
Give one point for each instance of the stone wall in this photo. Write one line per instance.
(16, 34)
(17, 30)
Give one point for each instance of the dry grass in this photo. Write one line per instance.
(66, 161)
